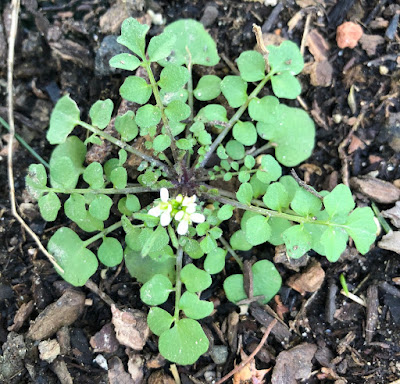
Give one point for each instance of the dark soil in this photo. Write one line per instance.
(57, 52)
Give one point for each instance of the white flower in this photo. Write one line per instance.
(188, 215)
(163, 208)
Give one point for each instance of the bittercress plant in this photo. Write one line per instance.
(176, 243)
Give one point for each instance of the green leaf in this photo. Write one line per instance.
(77, 262)
(251, 66)
(361, 227)
(235, 149)
(334, 241)
(285, 58)
(173, 78)
(270, 170)
(133, 36)
(148, 116)
(208, 244)
(122, 156)
(208, 88)
(278, 226)
(156, 290)
(339, 201)
(264, 109)
(160, 46)
(126, 126)
(245, 193)
(63, 119)
(93, 175)
(177, 110)
(159, 320)
(191, 36)
(239, 242)
(212, 112)
(132, 203)
(36, 180)
(100, 207)
(297, 241)
(176, 127)
(193, 249)
(135, 89)
(75, 207)
(49, 206)
(257, 230)
(290, 185)
(215, 261)
(184, 144)
(100, 113)
(154, 243)
(222, 154)
(249, 161)
(234, 88)
(119, 177)
(293, 136)
(144, 268)
(266, 282)
(259, 188)
(285, 86)
(66, 163)
(225, 212)
(204, 138)
(245, 133)
(124, 61)
(276, 197)
(193, 307)
(305, 203)
(184, 343)
(161, 143)
(195, 279)
(110, 252)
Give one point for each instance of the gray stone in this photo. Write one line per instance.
(108, 48)
(209, 16)
(219, 354)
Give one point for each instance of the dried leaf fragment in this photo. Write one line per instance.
(391, 242)
(308, 281)
(393, 214)
(249, 373)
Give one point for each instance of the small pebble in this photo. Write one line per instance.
(337, 118)
(219, 354)
(156, 18)
(209, 16)
(383, 70)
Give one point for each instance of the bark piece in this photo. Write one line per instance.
(61, 370)
(22, 314)
(69, 50)
(160, 377)
(318, 46)
(135, 367)
(348, 34)
(321, 73)
(308, 281)
(294, 364)
(63, 312)
(131, 327)
(105, 340)
(116, 372)
(377, 190)
(49, 350)
(369, 43)
(393, 214)
(391, 242)
(280, 330)
(372, 312)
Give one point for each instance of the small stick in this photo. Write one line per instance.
(244, 363)
(95, 289)
(354, 297)
(304, 185)
(305, 34)
(260, 41)
(175, 373)
(10, 73)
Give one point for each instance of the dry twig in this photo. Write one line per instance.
(15, 6)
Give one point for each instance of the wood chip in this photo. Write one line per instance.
(117, 373)
(22, 314)
(65, 311)
(49, 350)
(377, 190)
(372, 312)
(294, 364)
(391, 242)
(135, 367)
(105, 340)
(249, 373)
(160, 377)
(69, 50)
(393, 214)
(308, 281)
(318, 46)
(369, 43)
(131, 327)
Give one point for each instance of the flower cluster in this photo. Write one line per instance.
(182, 209)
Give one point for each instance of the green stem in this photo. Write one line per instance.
(232, 252)
(232, 173)
(260, 150)
(233, 120)
(25, 144)
(178, 283)
(105, 191)
(382, 221)
(160, 106)
(126, 146)
(191, 103)
(103, 233)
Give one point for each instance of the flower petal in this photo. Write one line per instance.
(179, 198)
(179, 215)
(191, 208)
(155, 211)
(183, 227)
(164, 194)
(165, 219)
(197, 217)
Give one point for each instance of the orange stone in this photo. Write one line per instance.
(348, 34)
